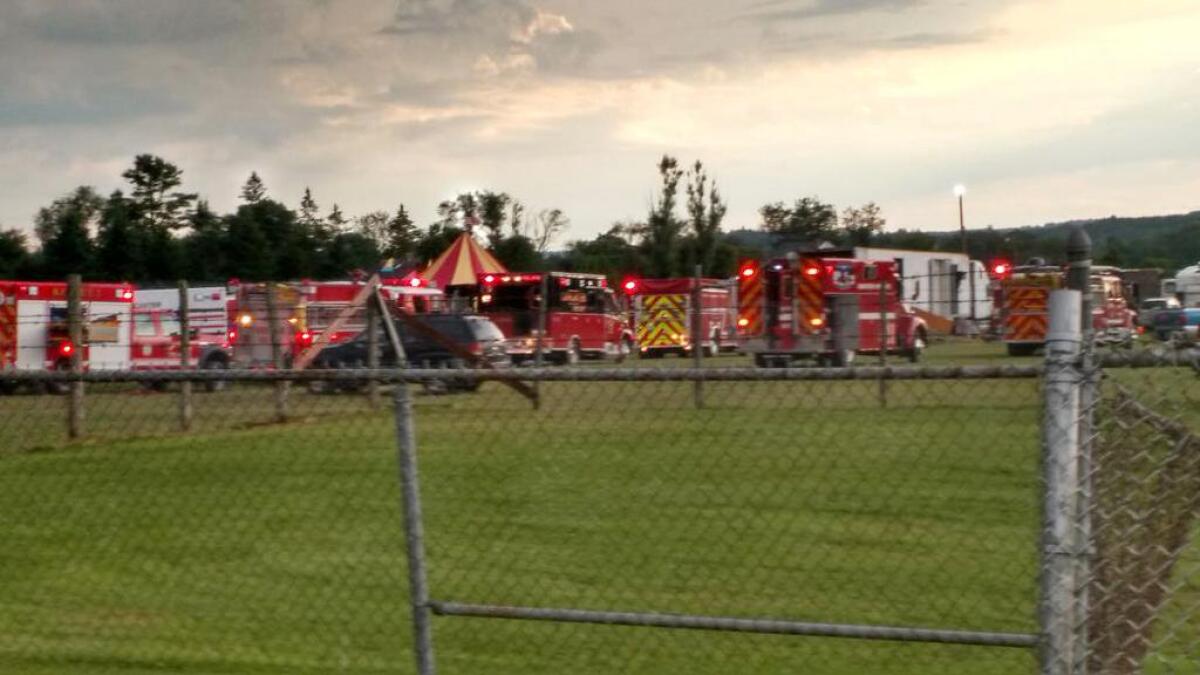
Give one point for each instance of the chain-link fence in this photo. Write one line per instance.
(625, 520)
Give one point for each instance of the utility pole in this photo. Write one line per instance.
(961, 190)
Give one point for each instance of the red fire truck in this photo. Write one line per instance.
(663, 315)
(827, 309)
(325, 301)
(34, 333)
(582, 316)
(1021, 300)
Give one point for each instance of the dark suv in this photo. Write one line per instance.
(474, 333)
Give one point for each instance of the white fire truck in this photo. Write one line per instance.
(34, 332)
(827, 309)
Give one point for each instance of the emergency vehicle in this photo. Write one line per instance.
(663, 315)
(34, 333)
(210, 308)
(250, 331)
(1022, 296)
(325, 301)
(582, 315)
(823, 308)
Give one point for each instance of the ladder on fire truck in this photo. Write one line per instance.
(371, 289)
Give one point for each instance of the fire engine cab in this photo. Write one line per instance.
(827, 309)
(1021, 301)
(582, 316)
(663, 315)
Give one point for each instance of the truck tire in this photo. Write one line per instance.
(59, 388)
(1020, 349)
(7, 387)
(625, 348)
(215, 363)
(572, 356)
(919, 341)
(843, 358)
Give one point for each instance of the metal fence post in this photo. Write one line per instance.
(185, 348)
(1060, 543)
(1079, 260)
(281, 388)
(372, 351)
(1079, 272)
(414, 533)
(75, 335)
(540, 344)
(698, 339)
(883, 341)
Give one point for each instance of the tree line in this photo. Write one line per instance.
(154, 232)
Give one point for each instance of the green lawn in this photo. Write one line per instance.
(251, 547)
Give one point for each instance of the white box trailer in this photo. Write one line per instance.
(1185, 286)
(33, 326)
(936, 281)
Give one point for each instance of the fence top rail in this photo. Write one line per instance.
(1169, 358)
(587, 374)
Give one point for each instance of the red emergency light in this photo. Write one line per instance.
(748, 270)
(1001, 269)
(630, 286)
(812, 270)
(65, 348)
(232, 335)
(416, 282)
(304, 338)
(489, 279)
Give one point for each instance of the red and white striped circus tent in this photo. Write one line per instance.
(461, 264)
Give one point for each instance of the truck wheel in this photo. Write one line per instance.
(59, 388)
(843, 358)
(624, 348)
(215, 364)
(572, 356)
(917, 349)
(7, 387)
(1021, 349)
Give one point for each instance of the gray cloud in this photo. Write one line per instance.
(791, 10)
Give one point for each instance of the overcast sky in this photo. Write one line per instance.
(1045, 109)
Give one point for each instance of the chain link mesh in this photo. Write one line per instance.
(269, 537)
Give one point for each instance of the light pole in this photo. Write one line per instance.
(959, 191)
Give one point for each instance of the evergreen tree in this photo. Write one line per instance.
(119, 248)
(247, 251)
(705, 217)
(69, 250)
(14, 254)
(253, 191)
(203, 249)
(662, 227)
(159, 205)
(402, 236)
(82, 199)
(336, 220)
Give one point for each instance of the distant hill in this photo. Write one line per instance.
(1168, 242)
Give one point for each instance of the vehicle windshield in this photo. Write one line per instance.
(170, 326)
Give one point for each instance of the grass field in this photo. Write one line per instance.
(251, 547)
